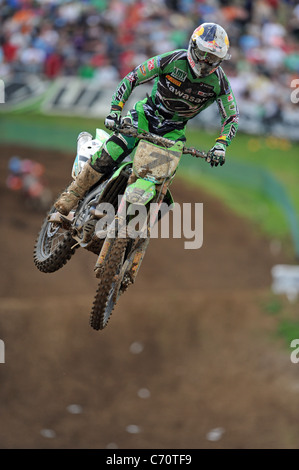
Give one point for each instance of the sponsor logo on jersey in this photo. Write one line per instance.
(185, 96)
(205, 90)
(230, 97)
(179, 74)
(120, 92)
(232, 133)
(221, 108)
(204, 93)
(206, 87)
(174, 80)
(151, 64)
(142, 69)
(131, 77)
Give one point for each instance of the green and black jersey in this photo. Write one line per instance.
(178, 95)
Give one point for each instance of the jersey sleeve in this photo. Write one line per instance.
(141, 74)
(228, 110)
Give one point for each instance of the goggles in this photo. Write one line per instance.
(206, 57)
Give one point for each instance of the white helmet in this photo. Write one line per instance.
(208, 47)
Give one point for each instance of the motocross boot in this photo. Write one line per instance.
(77, 189)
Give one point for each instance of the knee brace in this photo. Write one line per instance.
(103, 163)
(115, 149)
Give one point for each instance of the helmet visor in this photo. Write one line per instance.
(207, 58)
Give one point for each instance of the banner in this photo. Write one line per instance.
(75, 96)
(21, 92)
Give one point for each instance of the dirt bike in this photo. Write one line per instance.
(102, 221)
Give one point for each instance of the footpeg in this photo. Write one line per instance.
(64, 220)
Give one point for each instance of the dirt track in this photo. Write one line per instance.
(188, 349)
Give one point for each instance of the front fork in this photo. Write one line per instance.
(120, 221)
(116, 228)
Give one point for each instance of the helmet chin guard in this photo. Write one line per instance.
(208, 47)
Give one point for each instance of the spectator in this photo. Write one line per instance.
(103, 40)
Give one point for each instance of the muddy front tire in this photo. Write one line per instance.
(54, 246)
(108, 290)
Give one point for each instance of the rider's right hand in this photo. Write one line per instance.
(114, 118)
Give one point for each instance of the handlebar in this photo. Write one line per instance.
(131, 131)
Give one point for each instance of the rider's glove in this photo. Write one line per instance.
(113, 119)
(217, 154)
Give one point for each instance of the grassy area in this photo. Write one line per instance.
(243, 194)
(286, 319)
(279, 156)
(238, 183)
(254, 205)
(38, 130)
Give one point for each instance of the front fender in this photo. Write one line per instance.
(140, 192)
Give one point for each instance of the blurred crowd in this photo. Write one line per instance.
(103, 40)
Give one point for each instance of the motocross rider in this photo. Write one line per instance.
(185, 83)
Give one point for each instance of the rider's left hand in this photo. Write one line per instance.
(216, 155)
(113, 120)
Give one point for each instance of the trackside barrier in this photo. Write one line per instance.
(75, 96)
